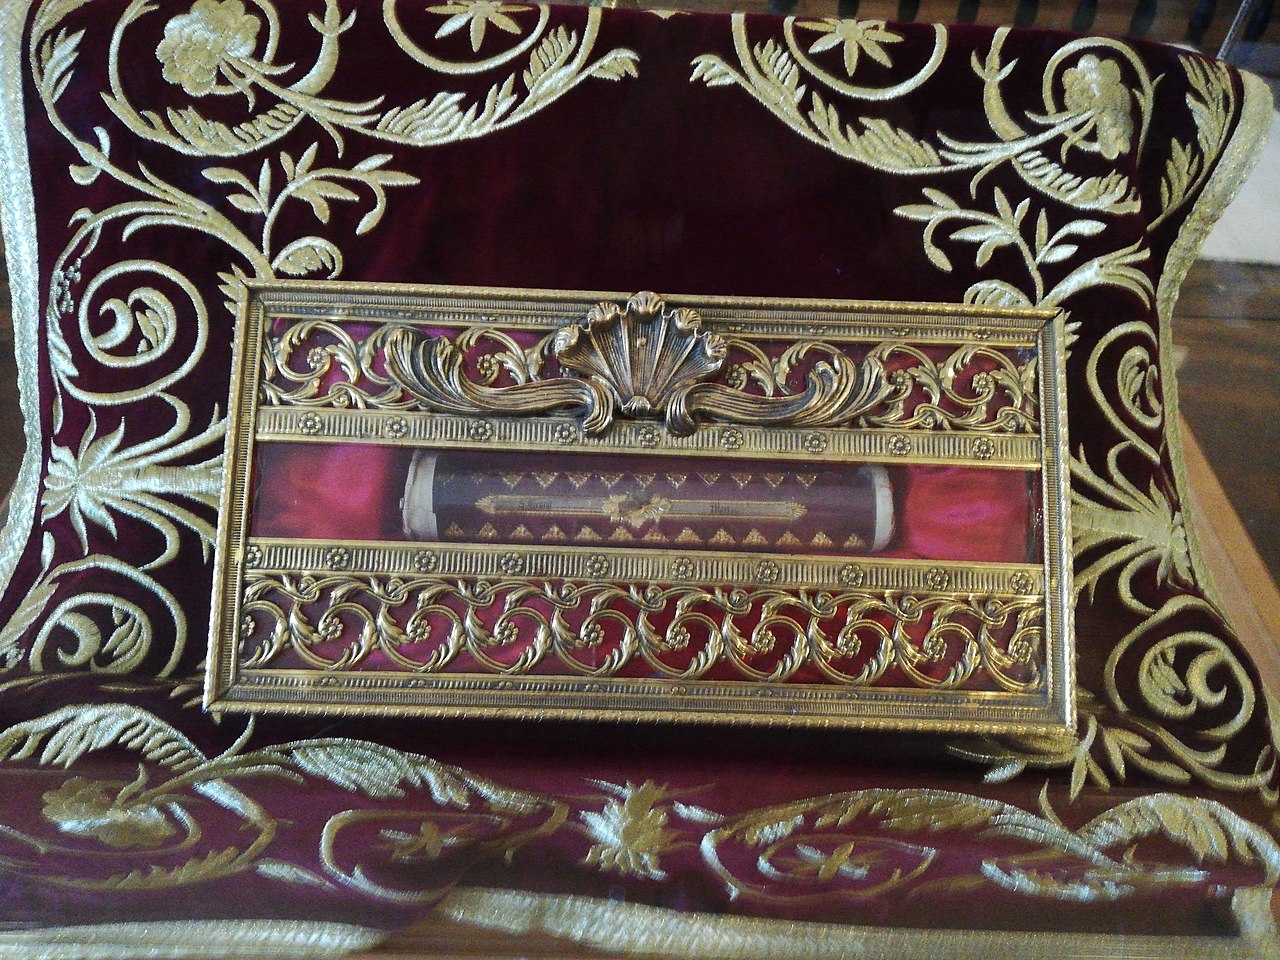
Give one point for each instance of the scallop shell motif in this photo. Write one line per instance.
(642, 353)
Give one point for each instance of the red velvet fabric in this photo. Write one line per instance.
(144, 808)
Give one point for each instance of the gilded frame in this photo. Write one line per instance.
(447, 411)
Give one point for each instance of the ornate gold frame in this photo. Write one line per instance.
(646, 375)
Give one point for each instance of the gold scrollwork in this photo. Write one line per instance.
(336, 621)
(642, 360)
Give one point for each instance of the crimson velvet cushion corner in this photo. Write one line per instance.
(158, 155)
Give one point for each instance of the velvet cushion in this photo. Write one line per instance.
(157, 154)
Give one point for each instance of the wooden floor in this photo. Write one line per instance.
(1228, 321)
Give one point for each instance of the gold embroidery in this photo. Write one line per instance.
(1092, 90)
(637, 928)
(218, 48)
(835, 848)
(274, 938)
(629, 834)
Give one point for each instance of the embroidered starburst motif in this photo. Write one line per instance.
(630, 834)
(477, 15)
(855, 36)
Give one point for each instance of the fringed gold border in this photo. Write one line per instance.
(633, 928)
(17, 216)
(179, 939)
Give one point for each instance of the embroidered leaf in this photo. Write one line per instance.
(547, 65)
(1063, 251)
(292, 873)
(983, 232)
(781, 72)
(712, 71)
(996, 293)
(309, 255)
(318, 192)
(1205, 827)
(246, 203)
(71, 732)
(616, 64)
(1112, 192)
(1083, 228)
(227, 175)
(1004, 772)
(424, 121)
(57, 58)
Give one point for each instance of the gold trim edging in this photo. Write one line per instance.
(17, 216)
(640, 929)
(189, 938)
(1239, 156)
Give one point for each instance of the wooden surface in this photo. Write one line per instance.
(1228, 322)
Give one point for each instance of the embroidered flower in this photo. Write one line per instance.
(630, 832)
(1094, 89)
(87, 808)
(477, 15)
(201, 44)
(855, 36)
